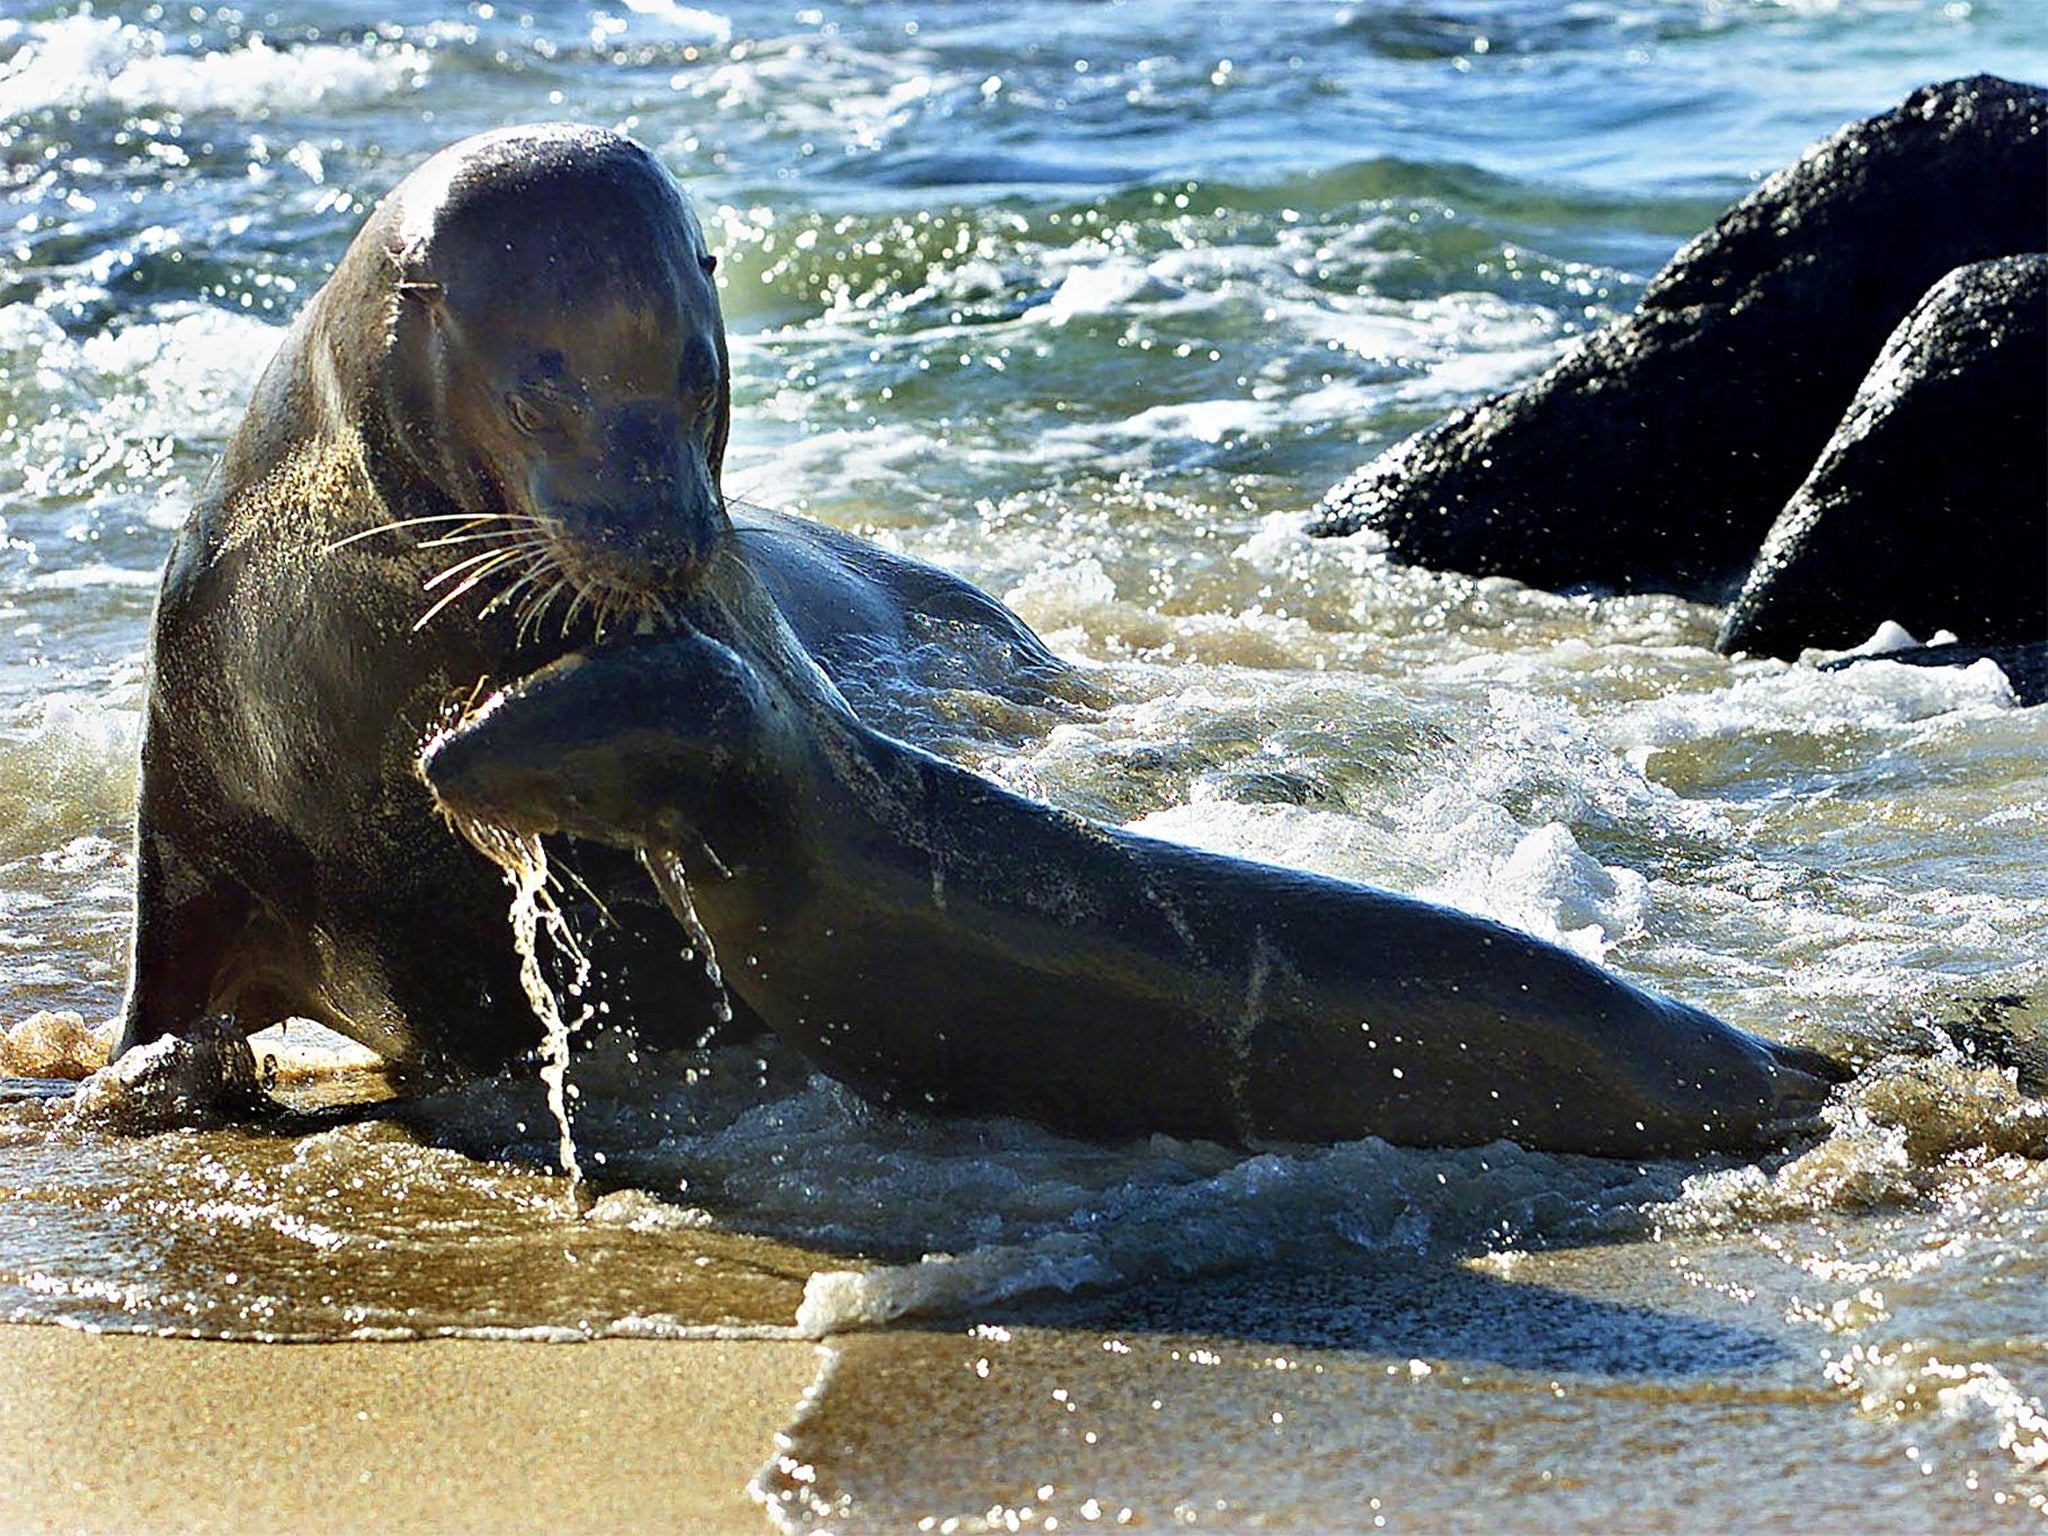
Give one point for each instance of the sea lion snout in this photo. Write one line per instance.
(645, 744)
(637, 514)
(485, 774)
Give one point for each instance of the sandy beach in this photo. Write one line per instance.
(144, 1435)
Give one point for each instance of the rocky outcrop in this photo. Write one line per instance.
(1658, 454)
(1929, 506)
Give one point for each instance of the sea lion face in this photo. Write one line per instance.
(660, 743)
(562, 361)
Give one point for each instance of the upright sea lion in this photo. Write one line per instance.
(936, 942)
(494, 434)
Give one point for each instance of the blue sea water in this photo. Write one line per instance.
(1090, 302)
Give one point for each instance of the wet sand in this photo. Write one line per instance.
(122, 1433)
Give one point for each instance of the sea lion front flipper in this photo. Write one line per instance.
(204, 1076)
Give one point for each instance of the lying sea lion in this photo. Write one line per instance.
(493, 435)
(936, 942)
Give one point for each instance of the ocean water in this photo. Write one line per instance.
(1090, 303)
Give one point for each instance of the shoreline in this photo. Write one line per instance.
(132, 1433)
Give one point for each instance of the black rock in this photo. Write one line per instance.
(1658, 453)
(1930, 503)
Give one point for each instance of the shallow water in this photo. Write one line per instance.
(1090, 304)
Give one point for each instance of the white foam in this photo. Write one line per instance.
(1111, 286)
(684, 23)
(1888, 637)
(67, 766)
(889, 474)
(97, 574)
(1295, 837)
(206, 349)
(87, 60)
(1059, 592)
(1767, 696)
(1548, 886)
(128, 394)
(828, 91)
(1204, 421)
(299, 1048)
(1276, 1208)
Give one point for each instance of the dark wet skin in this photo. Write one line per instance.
(522, 354)
(938, 943)
(493, 436)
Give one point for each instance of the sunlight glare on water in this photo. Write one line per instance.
(1090, 305)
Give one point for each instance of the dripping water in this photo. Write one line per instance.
(524, 860)
(665, 869)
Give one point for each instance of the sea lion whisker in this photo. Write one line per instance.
(537, 566)
(511, 559)
(504, 538)
(397, 525)
(502, 560)
(539, 605)
(489, 559)
(532, 603)
(604, 610)
(561, 588)
(494, 558)
(468, 584)
(426, 618)
(577, 604)
(448, 540)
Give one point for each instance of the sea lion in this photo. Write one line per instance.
(494, 434)
(936, 942)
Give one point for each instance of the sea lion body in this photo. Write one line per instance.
(495, 433)
(938, 943)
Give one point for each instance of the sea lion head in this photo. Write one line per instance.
(557, 361)
(665, 743)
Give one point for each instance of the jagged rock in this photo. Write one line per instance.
(1658, 453)
(1929, 505)
(53, 1044)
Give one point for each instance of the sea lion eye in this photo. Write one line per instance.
(708, 262)
(526, 415)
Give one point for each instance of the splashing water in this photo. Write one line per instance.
(665, 869)
(524, 860)
(1097, 341)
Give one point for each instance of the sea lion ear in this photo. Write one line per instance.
(708, 262)
(407, 265)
